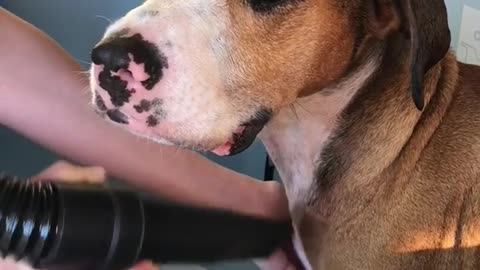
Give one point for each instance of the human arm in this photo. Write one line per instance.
(44, 97)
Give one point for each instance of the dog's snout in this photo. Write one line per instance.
(117, 116)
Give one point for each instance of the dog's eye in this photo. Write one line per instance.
(267, 5)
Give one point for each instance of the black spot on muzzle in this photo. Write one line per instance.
(116, 88)
(117, 116)
(143, 106)
(100, 103)
(152, 121)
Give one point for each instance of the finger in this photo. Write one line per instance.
(10, 264)
(146, 265)
(292, 256)
(277, 261)
(67, 172)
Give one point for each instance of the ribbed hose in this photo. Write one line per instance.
(78, 227)
(28, 218)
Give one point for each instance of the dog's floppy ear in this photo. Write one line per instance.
(426, 24)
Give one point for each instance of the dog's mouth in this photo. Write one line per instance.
(241, 139)
(244, 136)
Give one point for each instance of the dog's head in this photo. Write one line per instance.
(209, 74)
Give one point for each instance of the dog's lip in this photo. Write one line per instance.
(242, 138)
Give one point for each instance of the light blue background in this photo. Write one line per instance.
(455, 10)
(77, 26)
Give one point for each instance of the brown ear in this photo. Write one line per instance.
(426, 24)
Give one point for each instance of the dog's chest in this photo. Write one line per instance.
(295, 139)
(294, 146)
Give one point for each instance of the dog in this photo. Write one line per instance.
(372, 122)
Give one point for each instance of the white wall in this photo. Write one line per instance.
(464, 19)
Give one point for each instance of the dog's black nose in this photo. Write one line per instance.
(117, 116)
(117, 53)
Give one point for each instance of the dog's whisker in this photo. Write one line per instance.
(85, 72)
(83, 62)
(294, 110)
(84, 76)
(303, 108)
(105, 18)
(86, 91)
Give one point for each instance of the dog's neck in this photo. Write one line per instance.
(296, 136)
(353, 131)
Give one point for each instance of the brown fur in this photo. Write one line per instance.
(397, 188)
(409, 198)
(400, 188)
(266, 57)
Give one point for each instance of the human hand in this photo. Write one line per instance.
(284, 258)
(275, 201)
(70, 173)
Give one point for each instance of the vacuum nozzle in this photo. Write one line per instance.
(64, 226)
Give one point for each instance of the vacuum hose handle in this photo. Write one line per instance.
(87, 226)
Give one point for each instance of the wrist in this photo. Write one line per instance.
(275, 201)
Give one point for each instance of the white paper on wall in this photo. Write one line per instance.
(468, 50)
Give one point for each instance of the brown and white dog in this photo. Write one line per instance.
(371, 121)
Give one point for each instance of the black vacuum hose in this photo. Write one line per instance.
(81, 227)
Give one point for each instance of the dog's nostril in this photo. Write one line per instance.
(125, 75)
(112, 56)
(117, 116)
(134, 54)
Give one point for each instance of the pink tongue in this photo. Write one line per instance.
(223, 150)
